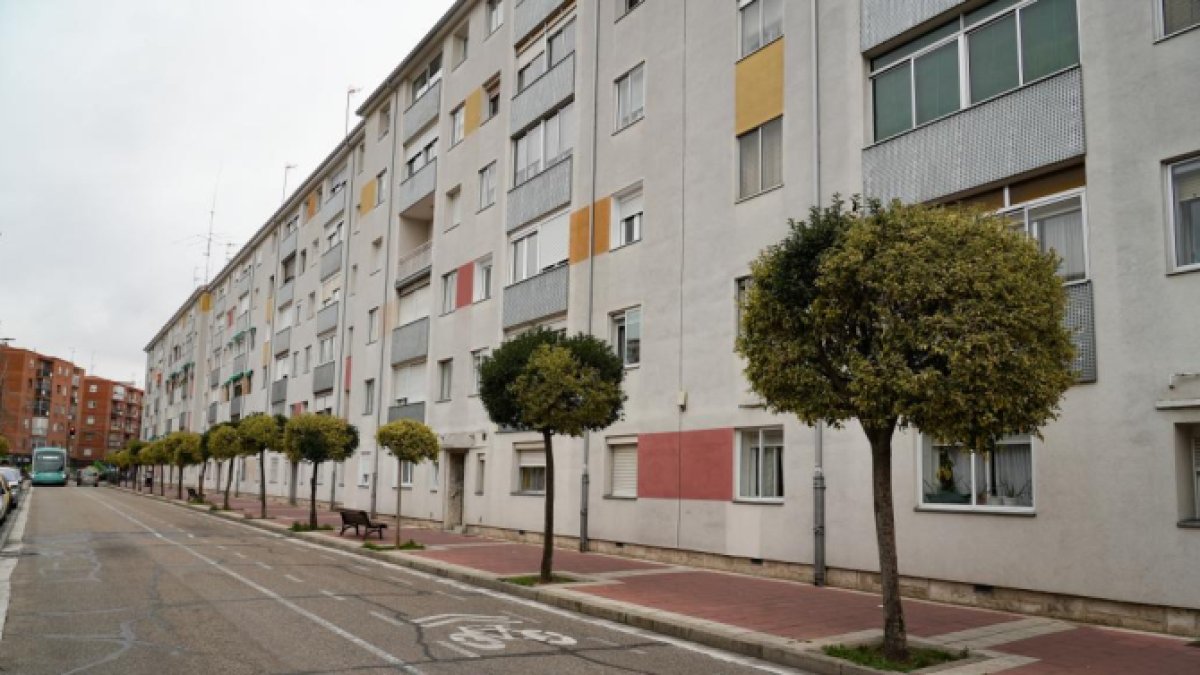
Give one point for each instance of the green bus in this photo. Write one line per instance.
(49, 466)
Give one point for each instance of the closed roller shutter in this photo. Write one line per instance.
(624, 470)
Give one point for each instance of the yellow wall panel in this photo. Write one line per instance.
(600, 243)
(366, 198)
(578, 248)
(472, 112)
(759, 79)
(205, 302)
(310, 206)
(266, 350)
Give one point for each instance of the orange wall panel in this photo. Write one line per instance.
(759, 82)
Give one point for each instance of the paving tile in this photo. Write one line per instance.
(1089, 649)
(506, 558)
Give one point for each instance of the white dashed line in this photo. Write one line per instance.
(263, 565)
(292, 578)
(335, 596)
(455, 648)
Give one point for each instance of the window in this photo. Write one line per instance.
(482, 279)
(274, 474)
(418, 156)
(531, 471)
(333, 235)
(372, 325)
(524, 257)
(368, 397)
(454, 206)
(495, 15)
(445, 379)
(428, 77)
(480, 472)
(1058, 224)
(629, 5)
(996, 48)
(385, 119)
(760, 159)
(561, 43)
(92, 388)
(627, 335)
(487, 186)
(627, 218)
(462, 41)
(531, 71)
(457, 125)
(622, 469)
(449, 291)
(954, 477)
(760, 464)
(381, 186)
(493, 99)
(361, 159)
(406, 474)
(631, 96)
(91, 420)
(762, 22)
(538, 248)
(477, 358)
(1185, 213)
(558, 46)
(324, 350)
(92, 404)
(1179, 15)
(435, 472)
(741, 295)
(544, 144)
(376, 255)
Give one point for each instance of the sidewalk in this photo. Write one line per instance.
(782, 621)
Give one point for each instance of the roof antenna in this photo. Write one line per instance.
(212, 215)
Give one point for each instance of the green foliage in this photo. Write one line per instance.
(4, 445)
(872, 656)
(314, 438)
(152, 454)
(935, 317)
(502, 367)
(372, 546)
(557, 392)
(408, 440)
(260, 432)
(134, 447)
(181, 448)
(223, 441)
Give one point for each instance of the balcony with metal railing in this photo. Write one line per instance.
(414, 265)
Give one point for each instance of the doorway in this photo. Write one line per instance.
(455, 483)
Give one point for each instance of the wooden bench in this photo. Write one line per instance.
(355, 518)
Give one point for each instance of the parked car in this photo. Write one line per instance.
(88, 476)
(6, 499)
(16, 482)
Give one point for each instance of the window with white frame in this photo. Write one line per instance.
(495, 15)
(477, 358)
(449, 291)
(482, 279)
(760, 159)
(977, 55)
(462, 42)
(325, 349)
(544, 144)
(454, 206)
(418, 155)
(385, 120)
(760, 464)
(542, 56)
(457, 124)
(274, 470)
(561, 43)
(956, 477)
(480, 472)
(430, 75)
(1057, 223)
(531, 70)
(368, 396)
(372, 325)
(435, 474)
(1185, 213)
(408, 383)
(627, 335)
(445, 379)
(531, 471)
(741, 292)
(414, 304)
(406, 473)
(761, 23)
(622, 469)
(487, 186)
(381, 187)
(538, 248)
(333, 235)
(1178, 15)
(631, 96)
(627, 218)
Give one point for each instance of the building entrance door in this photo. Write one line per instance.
(455, 482)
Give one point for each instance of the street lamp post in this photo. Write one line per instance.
(350, 91)
(286, 168)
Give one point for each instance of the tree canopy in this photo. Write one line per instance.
(259, 433)
(314, 438)
(408, 441)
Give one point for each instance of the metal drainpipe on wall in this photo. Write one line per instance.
(346, 215)
(679, 410)
(819, 427)
(393, 185)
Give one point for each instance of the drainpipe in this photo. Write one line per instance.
(819, 427)
(586, 479)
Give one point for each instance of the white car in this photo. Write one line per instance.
(12, 476)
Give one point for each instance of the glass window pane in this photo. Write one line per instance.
(988, 10)
(772, 19)
(772, 153)
(945, 475)
(893, 101)
(1185, 188)
(992, 56)
(916, 45)
(552, 149)
(1059, 227)
(935, 77)
(748, 480)
(751, 36)
(1180, 14)
(1049, 41)
(637, 94)
(748, 164)
(566, 128)
(633, 336)
(1012, 467)
(531, 255)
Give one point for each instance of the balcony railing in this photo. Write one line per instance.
(279, 390)
(239, 364)
(324, 376)
(334, 206)
(417, 187)
(549, 190)
(410, 341)
(327, 318)
(242, 322)
(415, 265)
(537, 297)
(286, 293)
(530, 14)
(241, 286)
(407, 411)
(287, 245)
(331, 261)
(422, 111)
(282, 342)
(235, 406)
(545, 93)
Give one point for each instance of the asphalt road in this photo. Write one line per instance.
(100, 581)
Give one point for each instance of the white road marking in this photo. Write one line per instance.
(455, 648)
(392, 620)
(292, 578)
(451, 595)
(602, 641)
(239, 554)
(327, 625)
(263, 565)
(7, 565)
(335, 596)
(220, 546)
(444, 619)
(190, 535)
(400, 581)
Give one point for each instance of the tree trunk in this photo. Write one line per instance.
(333, 487)
(262, 481)
(217, 483)
(179, 485)
(399, 491)
(548, 530)
(312, 503)
(162, 480)
(295, 471)
(229, 482)
(895, 636)
(200, 479)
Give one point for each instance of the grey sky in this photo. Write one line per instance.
(116, 117)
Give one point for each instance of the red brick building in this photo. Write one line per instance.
(42, 398)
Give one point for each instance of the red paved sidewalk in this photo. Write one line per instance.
(1021, 645)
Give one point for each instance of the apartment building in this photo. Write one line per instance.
(613, 167)
(109, 416)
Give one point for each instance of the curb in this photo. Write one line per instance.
(744, 642)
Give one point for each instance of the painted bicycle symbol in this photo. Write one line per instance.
(476, 631)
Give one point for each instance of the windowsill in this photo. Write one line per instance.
(758, 501)
(1186, 269)
(628, 12)
(455, 144)
(758, 194)
(476, 302)
(557, 160)
(527, 494)
(360, 486)
(633, 366)
(453, 226)
(1177, 33)
(623, 498)
(485, 208)
(624, 246)
(1189, 524)
(1021, 511)
(760, 48)
(640, 117)
(443, 400)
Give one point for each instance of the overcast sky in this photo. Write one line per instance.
(116, 118)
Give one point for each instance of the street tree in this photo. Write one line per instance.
(154, 456)
(183, 450)
(942, 319)
(119, 459)
(133, 448)
(259, 433)
(408, 441)
(315, 438)
(224, 443)
(4, 446)
(554, 385)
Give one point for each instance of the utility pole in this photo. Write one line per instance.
(286, 168)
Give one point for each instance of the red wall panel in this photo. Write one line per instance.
(466, 285)
(688, 465)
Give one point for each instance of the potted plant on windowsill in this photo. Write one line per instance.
(1011, 495)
